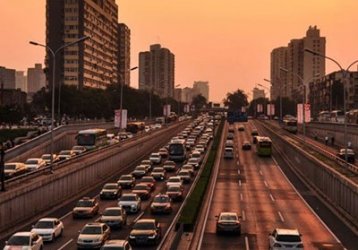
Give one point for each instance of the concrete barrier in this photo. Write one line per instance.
(27, 201)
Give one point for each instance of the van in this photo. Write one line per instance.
(229, 153)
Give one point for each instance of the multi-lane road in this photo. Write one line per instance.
(256, 189)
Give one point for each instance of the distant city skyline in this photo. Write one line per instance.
(227, 42)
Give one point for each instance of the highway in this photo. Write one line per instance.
(257, 190)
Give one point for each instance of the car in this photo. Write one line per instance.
(175, 192)
(130, 202)
(200, 148)
(126, 181)
(115, 217)
(254, 139)
(231, 129)
(229, 144)
(155, 158)
(142, 190)
(194, 162)
(78, 149)
(246, 145)
(116, 245)
(110, 191)
(230, 136)
(85, 207)
(47, 158)
(254, 132)
(190, 142)
(24, 240)
(140, 171)
(149, 181)
(48, 228)
(158, 173)
(12, 169)
(350, 155)
(185, 175)
(93, 235)
(174, 180)
(228, 222)
(161, 204)
(228, 153)
(146, 163)
(33, 164)
(241, 128)
(169, 166)
(65, 155)
(145, 232)
(282, 239)
(189, 168)
(163, 152)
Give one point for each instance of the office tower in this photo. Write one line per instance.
(21, 80)
(258, 93)
(7, 78)
(124, 50)
(36, 79)
(202, 88)
(278, 78)
(187, 95)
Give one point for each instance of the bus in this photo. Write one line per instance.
(324, 116)
(337, 116)
(92, 138)
(263, 146)
(135, 127)
(290, 125)
(177, 151)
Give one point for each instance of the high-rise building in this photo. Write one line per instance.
(157, 70)
(124, 50)
(202, 88)
(36, 79)
(187, 95)
(258, 93)
(177, 94)
(21, 80)
(93, 62)
(7, 78)
(306, 65)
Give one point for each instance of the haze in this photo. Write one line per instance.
(227, 42)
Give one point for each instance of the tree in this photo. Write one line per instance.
(235, 101)
(199, 101)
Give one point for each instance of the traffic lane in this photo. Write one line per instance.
(225, 199)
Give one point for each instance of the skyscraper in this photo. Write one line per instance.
(7, 78)
(21, 80)
(36, 79)
(124, 50)
(93, 62)
(156, 70)
(278, 79)
(202, 88)
(258, 93)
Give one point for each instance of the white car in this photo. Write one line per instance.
(66, 154)
(47, 158)
(34, 164)
(48, 228)
(200, 148)
(169, 165)
(93, 235)
(285, 239)
(174, 180)
(197, 155)
(24, 240)
(155, 158)
(114, 217)
(78, 149)
(194, 162)
(130, 202)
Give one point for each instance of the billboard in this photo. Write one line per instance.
(120, 120)
(260, 108)
(186, 108)
(166, 110)
(270, 109)
(300, 113)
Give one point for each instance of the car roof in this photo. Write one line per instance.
(48, 219)
(129, 194)
(285, 231)
(115, 243)
(146, 221)
(22, 234)
(94, 224)
(113, 208)
(228, 213)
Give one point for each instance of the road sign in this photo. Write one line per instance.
(120, 120)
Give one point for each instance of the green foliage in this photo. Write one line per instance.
(199, 101)
(11, 134)
(236, 100)
(11, 114)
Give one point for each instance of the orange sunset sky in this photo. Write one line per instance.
(226, 42)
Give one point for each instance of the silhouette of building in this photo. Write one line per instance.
(124, 50)
(202, 88)
(21, 80)
(36, 79)
(7, 78)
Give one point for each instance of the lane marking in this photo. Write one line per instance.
(238, 162)
(138, 217)
(273, 199)
(281, 217)
(265, 182)
(63, 217)
(260, 172)
(241, 197)
(239, 182)
(66, 244)
(243, 215)
(247, 243)
(238, 172)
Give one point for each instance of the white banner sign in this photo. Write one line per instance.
(186, 108)
(120, 120)
(270, 109)
(243, 109)
(307, 113)
(260, 108)
(166, 110)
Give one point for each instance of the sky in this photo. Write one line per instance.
(226, 42)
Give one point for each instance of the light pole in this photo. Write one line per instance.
(303, 97)
(268, 89)
(179, 99)
(53, 53)
(267, 80)
(344, 72)
(121, 96)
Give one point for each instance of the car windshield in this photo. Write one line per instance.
(161, 199)
(193, 160)
(110, 186)
(19, 241)
(147, 179)
(126, 177)
(112, 212)
(169, 163)
(174, 180)
(140, 168)
(83, 203)
(144, 226)
(173, 188)
(10, 166)
(32, 162)
(288, 238)
(228, 217)
(183, 173)
(44, 224)
(128, 198)
(157, 170)
(187, 167)
(146, 162)
(91, 230)
(140, 187)
(65, 152)
(176, 149)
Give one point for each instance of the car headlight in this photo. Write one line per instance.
(152, 236)
(133, 206)
(152, 206)
(79, 240)
(131, 236)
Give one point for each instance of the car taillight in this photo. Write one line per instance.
(277, 245)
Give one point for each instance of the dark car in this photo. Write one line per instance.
(142, 190)
(230, 136)
(241, 128)
(149, 180)
(145, 232)
(254, 132)
(246, 145)
(350, 155)
(110, 191)
(86, 207)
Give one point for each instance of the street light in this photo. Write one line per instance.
(121, 101)
(303, 97)
(344, 72)
(179, 99)
(266, 80)
(53, 53)
(265, 98)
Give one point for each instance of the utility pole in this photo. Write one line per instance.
(2, 166)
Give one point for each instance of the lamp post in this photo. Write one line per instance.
(177, 86)
(2, 166)
(121, 96)
(268, 89)
(344, 72)
(303, 97)
(266, 80)
(53, 53)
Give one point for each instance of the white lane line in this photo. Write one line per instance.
(265, 182)
(140, 215)
(97, 220)
(238, 162)
(247, 243)
(63, 217)
(239, 182)
(241, 197)
(260, 172)
(238, 172)
(273, 199)
(281, 217)
(66, 244)
(243, 215)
